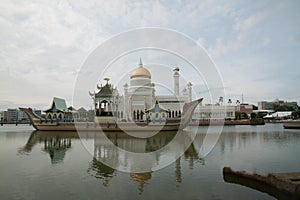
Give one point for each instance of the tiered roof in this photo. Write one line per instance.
(157, 108)
(58, 105)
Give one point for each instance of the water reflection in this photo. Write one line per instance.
(104, 151)
(235, 146)
(141, 179)
(57, 147)
(101, 171)
(57, 144)
(232, 138)
(49, 139)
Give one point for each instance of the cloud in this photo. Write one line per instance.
(245, 29)
(44, 44)
(266, 41)
(244, 32)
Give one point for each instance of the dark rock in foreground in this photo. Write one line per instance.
(279, 185)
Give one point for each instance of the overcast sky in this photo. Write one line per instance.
(43, 44)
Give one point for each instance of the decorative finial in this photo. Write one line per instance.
(141, 64)
(106, 79)
(176, 69)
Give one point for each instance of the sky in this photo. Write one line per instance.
(255, 45)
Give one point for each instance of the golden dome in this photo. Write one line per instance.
(140, 72)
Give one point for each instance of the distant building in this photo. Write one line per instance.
(5, 116)
(38, 112)
(1, 116)
(22, 116)
(274, 105)
(15, 115)
(71, 108)
(264, 105)
(82, 114)
(244, 108)
(12, 115)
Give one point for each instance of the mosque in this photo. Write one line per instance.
(139, 101)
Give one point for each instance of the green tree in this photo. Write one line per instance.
(278, 107)
(296, 114)
(253, 115)
(241, 115)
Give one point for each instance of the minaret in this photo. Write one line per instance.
(126, 101)
(189, 87)
(176, 80)
(152, 96)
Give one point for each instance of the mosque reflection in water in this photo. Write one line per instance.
(57, 144)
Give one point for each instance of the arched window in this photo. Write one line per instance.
(176, 114)
(163, 115)
(134, 115)
(156, 115)
(138, 115)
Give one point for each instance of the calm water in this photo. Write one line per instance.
(45, 165)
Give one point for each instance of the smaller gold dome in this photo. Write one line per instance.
(176, 69)
(106, 79)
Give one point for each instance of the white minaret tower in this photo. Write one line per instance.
(126, 101)
(176, 80)
(189, 88)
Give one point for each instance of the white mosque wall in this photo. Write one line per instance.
(206, 112)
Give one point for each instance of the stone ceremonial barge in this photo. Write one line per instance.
(171, 124)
